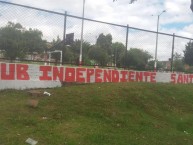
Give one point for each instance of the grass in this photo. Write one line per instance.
(100, 114)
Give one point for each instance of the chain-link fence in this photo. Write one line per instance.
(103, 43)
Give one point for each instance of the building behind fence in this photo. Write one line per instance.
(62, 26)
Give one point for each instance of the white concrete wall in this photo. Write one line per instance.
(23, 76)
(33, 82)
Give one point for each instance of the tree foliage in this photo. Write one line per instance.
(75, 47)
(136, 58)
(34, 41)
(16, 41)
(102, 50)
(118, 50)
(56, 45)
(11, 41)
(105, 43)
(188, 54)
(98, 55)
(178, 63)
(150, 65)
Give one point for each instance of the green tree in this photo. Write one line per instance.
(150, 65)
(98, 55)
(104, 44)
(188, 54)
(11, 41)
(17, 41)
(136, 58)
(68, 55)
(118, 51)
(178, 64)
(34, 41)
(75, 47)
(57, 45)
(70, 52)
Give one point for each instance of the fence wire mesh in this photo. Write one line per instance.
(54, 26)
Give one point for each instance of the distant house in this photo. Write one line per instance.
(35, 56)
(166, 64)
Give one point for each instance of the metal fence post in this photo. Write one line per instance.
(82, 31)
(172, 56)
(64, 34)
(126, 45)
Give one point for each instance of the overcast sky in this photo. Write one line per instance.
(177, 19)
